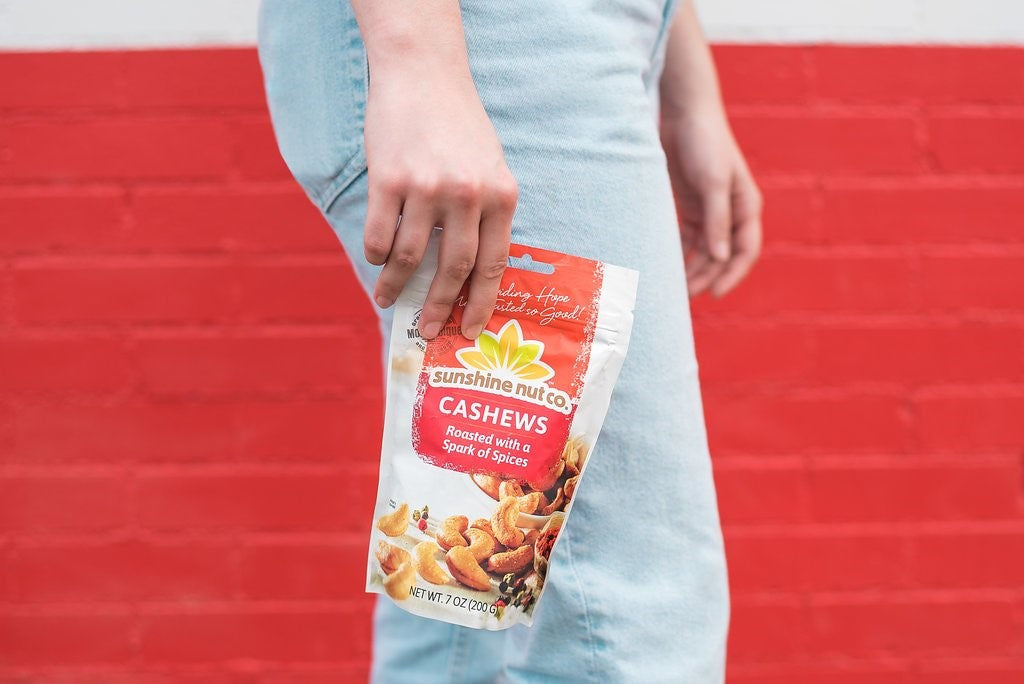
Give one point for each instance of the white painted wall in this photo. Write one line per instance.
(81, 24)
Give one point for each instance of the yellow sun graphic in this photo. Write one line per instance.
(507, 353)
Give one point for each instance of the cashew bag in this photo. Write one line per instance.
(487, 442)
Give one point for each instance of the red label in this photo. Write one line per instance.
(503, 403)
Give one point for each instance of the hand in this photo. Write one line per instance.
(718, 202)
(434, 159)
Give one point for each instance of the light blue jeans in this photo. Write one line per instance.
(638, 592)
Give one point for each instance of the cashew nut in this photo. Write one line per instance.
(450, 532)
(399, 583)
(426, 563)
(395, 523)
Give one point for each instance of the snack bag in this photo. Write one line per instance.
(486, 442)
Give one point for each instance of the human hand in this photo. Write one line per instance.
(434, 159)
(718, 201)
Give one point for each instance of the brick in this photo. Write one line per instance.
(929, 74)
(748, 494)
(980, 143)
(61, 80)
(972, 282)
(970, 424)
(898, 214)
(123, 432)
(824, 673)
(815, 561)
(270, 502)
(94, 149)
(129, 570)
(135, 674)
(928, 492)
(61, 220)
(819, 283)
(777, 144)
(218, 365)
(774, 423)
(194, 79)
(1011, 672)
(302, 572)
(909, 627)
(921, 354)
(48, 364)
(968, 559)
(140, 292)
(64, 639)
(69, 503)
(766, 630)
(791, 213)
(327, 674)
(753, 355)
(247, 219)
(205, 636)
(7, 440)
(341, 431)
(292, 430)
(303, 291)
(258, 153)
(767, 73)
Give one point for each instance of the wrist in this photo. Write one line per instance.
(690, 109)
(425, 46)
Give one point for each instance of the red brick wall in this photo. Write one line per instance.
(183, 394)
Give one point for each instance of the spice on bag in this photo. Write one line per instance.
(486, 441)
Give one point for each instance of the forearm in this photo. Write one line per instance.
(412, 38)
(689, 82)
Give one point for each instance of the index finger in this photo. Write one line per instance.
(491, 259)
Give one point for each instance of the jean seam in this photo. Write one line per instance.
(352, 169)
(356, 164)
(458, 659)
(592, 647)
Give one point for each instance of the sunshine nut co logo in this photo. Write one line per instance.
(505, 364)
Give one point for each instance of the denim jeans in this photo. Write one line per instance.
(639, 591)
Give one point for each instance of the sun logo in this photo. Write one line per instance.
(507, 353)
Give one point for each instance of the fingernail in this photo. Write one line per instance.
(384, 302)
(431, 329)
(472, 332)
(720, 250)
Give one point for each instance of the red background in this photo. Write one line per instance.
(190, 411)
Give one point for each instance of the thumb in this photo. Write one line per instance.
(717, 224)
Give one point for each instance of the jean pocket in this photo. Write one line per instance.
(316, 78)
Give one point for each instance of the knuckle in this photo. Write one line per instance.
(459, 269)
(427, 187)
(391, 183)
(463, 190)
(492, 269)
(757, 200)
(375, 247)
(715, 180)
(506, 193)
(406, 260)
(437, 307)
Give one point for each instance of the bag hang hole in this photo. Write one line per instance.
(527, 263)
